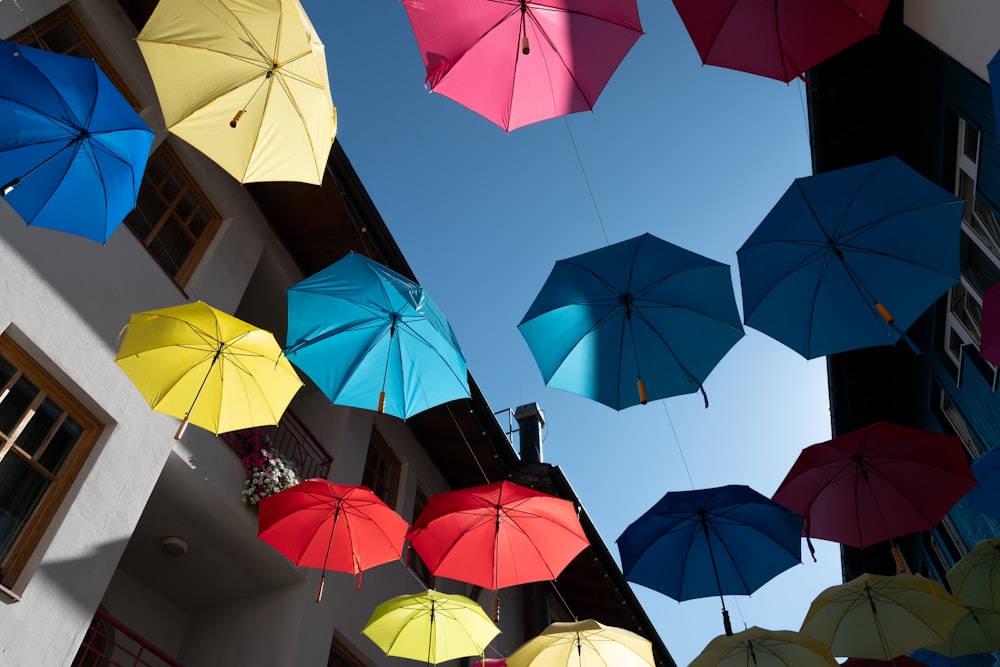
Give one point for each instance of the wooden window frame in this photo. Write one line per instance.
(186, 269)
(12, 567)
(381, 455)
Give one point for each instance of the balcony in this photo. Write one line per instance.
(110, 643)
(294, 442)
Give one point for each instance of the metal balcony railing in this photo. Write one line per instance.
(294, 442)
(110, 643)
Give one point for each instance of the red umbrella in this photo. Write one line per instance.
(497, 535)
(876, 483)
(778, 39)
(990, 346)
(517, 62)
(330, 526)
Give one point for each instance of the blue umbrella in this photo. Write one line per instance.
(72, 150)
(993, 69)
(728, 540)
(370, 338)
(638, 320)
(985, 496)
(850, 258)
(932, 659)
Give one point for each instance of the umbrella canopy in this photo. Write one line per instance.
(206, 367)
(497, 535)
(977, 632)
(765, 648)
(985, 497)
(875, 616)
(871, 485)
(779, 39)
(245, 83)
(989, 346)
(975, 578)
(993, 70)
(72, 149)
(728, 540)
(637, 320)
(431, 627)
(584, 643)
(517, 62)
(932, 659)
(850, 258)
(330, 526)
(370, 338)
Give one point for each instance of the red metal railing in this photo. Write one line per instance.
(110, 643)
(293, 441)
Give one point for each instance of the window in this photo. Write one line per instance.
(980, 255)
(342, 656)
(381, 470)
(959, 427)
(172, 217)
(45, 436)
(417, 564)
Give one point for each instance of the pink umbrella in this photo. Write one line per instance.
(517, 62)
(990, 346)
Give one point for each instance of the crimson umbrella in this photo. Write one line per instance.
(778, 39)
(517, 62)
(497, 535)
(330, 526)
(989, 347)
(876, 483)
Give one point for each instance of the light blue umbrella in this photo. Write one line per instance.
(850, 258)
(634, 321)
(72, 149)
(370, 338)
(985, 496)
(932, 659)
(728, 540)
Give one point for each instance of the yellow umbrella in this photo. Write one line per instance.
(430, 626)
(584, 644)
(975, 579)
(881, 617)
(203, 366)
(245, 83)
(765, 648)
(977, 632)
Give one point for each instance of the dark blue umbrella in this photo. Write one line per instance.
(932, 659)
(370, 338)
(635, 321)
(72, 150)
(985, 495)
(850, 258)
(728, 540)
(993, 69)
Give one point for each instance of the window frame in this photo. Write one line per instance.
(187, 267)
(13, 565)
(416, 563)
(345, 654)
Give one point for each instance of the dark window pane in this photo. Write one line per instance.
(60, 446)
(13, 406)
(971, 147)
(6, 372)
(21, 488)
(38, 427)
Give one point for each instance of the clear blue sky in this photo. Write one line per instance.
(695, 155)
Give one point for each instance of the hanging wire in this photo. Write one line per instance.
(467, 445)
(27, 22)
(678, 443)
(586, 180)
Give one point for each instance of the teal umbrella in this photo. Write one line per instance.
(631, 322)
(370, 338)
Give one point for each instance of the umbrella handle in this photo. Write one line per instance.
(319, 591)
(726, 623)
(496, 609)
(182, 427)
(381, 402)
(642, 391)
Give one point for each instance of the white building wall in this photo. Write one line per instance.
(964, 29)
